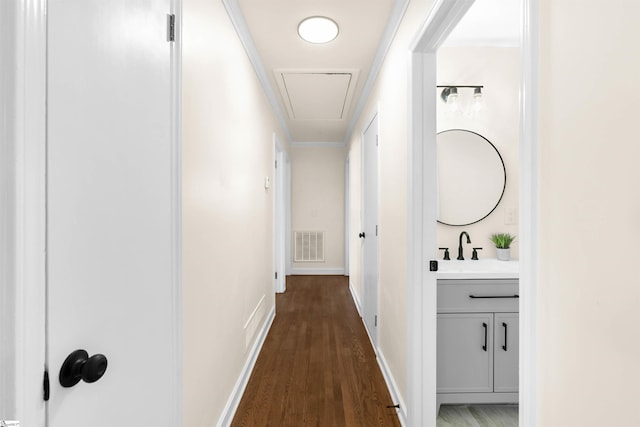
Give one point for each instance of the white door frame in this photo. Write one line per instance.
(280, 216)
(287, 204)
(29, 181)
(347, 214)
(7, 211)
(421, 289)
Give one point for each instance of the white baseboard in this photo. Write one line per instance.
(393, 388)
(317, 271)
(241, 384)
(386, 373)
(355, 298)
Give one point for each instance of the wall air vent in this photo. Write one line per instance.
(308, 246)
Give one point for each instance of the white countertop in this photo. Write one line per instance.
(478, 269)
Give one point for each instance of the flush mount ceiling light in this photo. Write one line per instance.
(318, 29)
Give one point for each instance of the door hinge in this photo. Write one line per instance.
(276, 164)
(377, 140)
(375, 321)
(45, 386)
(276, 275)
(171, 27)
(376, 230)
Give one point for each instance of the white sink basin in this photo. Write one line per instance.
(478, 269)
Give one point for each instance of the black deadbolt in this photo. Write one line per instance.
(79, 366)
(361, 235)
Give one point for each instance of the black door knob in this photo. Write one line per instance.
(79, 366)
(361, 235)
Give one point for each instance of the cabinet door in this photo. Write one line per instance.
(506, 352)
(465, 353)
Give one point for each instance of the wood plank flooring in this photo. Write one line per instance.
(317, 366)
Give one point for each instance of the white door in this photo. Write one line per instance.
(370, 228)
(111, 222)
(280, 217)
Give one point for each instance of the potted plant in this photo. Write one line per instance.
(503, 244)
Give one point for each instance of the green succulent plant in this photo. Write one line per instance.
(502, 240)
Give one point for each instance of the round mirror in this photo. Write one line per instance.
(471, 177)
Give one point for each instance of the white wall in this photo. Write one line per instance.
(589, 284)
(498, 69)
(317, 202)
(390, 94)
(228, 130)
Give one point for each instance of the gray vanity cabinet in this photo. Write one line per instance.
(506, 353)
(477, 351)
(465, 362)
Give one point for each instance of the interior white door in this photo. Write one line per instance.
(111, 226)
(279, 229)
(370, 228)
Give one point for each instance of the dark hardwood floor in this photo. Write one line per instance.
(317, 366)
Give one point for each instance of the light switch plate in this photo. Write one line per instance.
(511, 216)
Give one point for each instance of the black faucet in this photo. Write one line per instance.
(460, 255)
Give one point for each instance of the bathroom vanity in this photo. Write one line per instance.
(477, 353)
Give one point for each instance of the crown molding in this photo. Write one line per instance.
(240, 25)
(395, 18)
(299, 144)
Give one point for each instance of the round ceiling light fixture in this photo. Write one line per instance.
(318, 29)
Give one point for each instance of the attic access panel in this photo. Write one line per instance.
(317, 95)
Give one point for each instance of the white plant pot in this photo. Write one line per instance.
(503, 254)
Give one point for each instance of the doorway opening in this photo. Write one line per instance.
(422, 290)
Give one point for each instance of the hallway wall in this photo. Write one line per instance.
(390, 98)
(589, 227)
(317, 203)
(228, 130)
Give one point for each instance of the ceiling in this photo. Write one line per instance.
(316, 84)
(489, 23)
(316, 87)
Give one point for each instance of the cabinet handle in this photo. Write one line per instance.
(494, 296)
(504, 347)
(484, 325)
